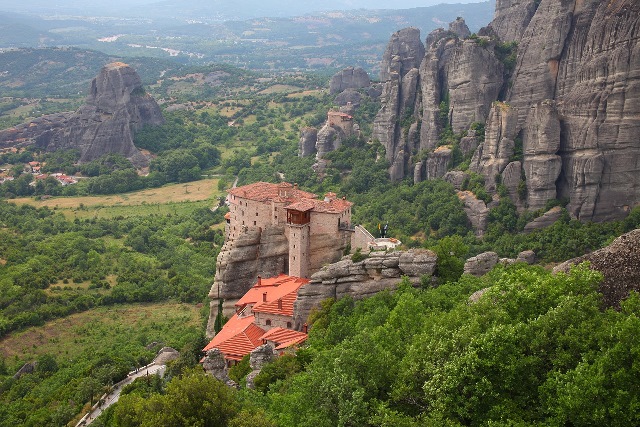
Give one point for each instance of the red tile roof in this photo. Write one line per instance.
(266, 191)
(238, 337)
(298, 200)
(284, 337)
(282, 287)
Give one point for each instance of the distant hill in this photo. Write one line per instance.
(197, 34)
(66, 72)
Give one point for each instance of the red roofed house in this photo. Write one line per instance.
(317, 229)
(263, 315)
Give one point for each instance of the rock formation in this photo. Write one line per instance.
(307, 144)
(361, 279)
(258, 358)
(547, 219)
(215, 365)
(493, 156)
(463, 75)
(512, 18)
(572, 98)
(620, 265)
(399, 97)
(476, 211)
(116, 106)
(481, 264)
(254, 253)
(349, 78)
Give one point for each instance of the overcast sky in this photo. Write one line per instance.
(275, 7)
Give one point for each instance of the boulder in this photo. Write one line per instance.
(481, 264)
(528, 257)
(619, 263)
(166, 355)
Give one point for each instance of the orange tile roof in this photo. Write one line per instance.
(238, 337)
(303, 206)
(266, 191)
(282, 287)
(284, 337)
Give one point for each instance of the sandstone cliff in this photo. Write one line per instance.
(572, 99)
(349, 78)
(116, 106)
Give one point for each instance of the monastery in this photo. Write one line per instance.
(317, 230)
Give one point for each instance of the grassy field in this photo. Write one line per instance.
(101, 327)
(174, 199)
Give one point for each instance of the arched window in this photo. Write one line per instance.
(268, 322)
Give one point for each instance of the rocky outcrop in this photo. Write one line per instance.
(254, 253)
(39, 129)
(257, 360)
(329, 139)
(438, 162)
(542, 164)
(455, 178)
(348, 97)
(619, 263)
(547, 219)
(464, 75)
(361, 279)
(349, 78)
(115, 108)
(493, 156)
(469, 143)
(215, 365)
(528, 257)
(481, 264)
(307, 143)
(512, 18)
(584, 55)
(512, 178)
(166, 355)
(476, 210)
(399, 73)
(459, 28)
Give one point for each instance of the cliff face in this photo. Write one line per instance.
(254, 253)
(116, 107)
(573, 96)
(462, 75)
(362, 279)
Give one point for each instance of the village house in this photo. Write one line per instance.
(263, 315)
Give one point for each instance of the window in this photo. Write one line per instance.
(267, 322)
(256, 213)
(254, 223)
(289, 325)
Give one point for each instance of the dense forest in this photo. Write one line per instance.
(535, 349)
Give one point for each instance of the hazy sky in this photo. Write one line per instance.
(276, 6)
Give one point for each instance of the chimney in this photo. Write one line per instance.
(305, 328)
(259, 280)
(280, 304)
(295, 186)
(264, 297)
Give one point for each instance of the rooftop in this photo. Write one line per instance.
(266, 293)
(239, 337)
(266, 191)
(284, 337)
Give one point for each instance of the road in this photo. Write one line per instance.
(113, 396)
